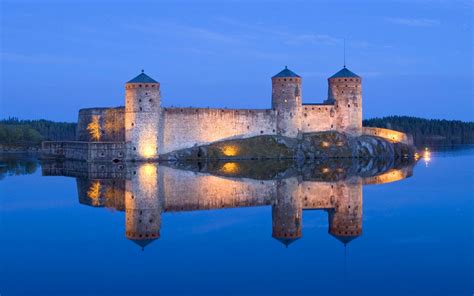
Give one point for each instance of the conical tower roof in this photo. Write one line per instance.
(345, 239)
(143, 242)
(142, 78)
(286, 241)
(286, 73)
(344, 73)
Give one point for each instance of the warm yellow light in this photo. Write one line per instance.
(94, 192)
(427, 156)
(148, 151)
(394, 137)
(148, 169)
(230, 150)
(94, 128)
(325, 170)
(324, 144)
(230, 168)
(147, 176)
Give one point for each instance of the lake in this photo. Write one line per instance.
(344, 227)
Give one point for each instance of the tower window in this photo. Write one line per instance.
(150, 100)
(140, 100)
(140, 85)
(348, 105)
(284, 79)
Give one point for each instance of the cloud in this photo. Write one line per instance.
(413, 22)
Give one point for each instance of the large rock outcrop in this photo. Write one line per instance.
(319, 145)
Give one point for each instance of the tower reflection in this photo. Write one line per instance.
(147, 190)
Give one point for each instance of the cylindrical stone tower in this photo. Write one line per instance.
(142, 112)
(286, 101)
(142, 204)
(287, 212)
(345, 221)
(345, 92)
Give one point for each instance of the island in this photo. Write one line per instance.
(143, 130)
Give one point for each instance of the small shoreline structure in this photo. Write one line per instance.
(291, 129)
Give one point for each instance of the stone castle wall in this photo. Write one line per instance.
(391, 135)
(318, 117)
(187, 127)
(85, 151)
(150, 130)
(188, 191)
(111, 124)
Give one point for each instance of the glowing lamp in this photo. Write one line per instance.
(230, 168)
(148, 151)
(230, 150)
(324, 144)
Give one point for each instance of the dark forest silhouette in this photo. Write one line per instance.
(18, 133)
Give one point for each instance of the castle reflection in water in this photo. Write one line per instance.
(147, 190)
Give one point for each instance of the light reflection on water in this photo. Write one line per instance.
(204, 227)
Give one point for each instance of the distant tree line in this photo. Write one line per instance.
(17, 166)
(428, 131)
(15, 132)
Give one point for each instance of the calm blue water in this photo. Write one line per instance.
(417, 239)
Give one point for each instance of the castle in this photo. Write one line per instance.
(144, 130)
(150, 130)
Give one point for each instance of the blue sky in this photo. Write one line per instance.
(415, 56)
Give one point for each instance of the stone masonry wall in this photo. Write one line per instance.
(111, 121)
(318, 117)
(86, 151)
(187, 127)
(188, 191)
(391, 135)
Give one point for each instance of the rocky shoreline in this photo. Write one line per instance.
(320, 145)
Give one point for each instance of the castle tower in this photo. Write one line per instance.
(142, 110)
(345, 92)
(142, 205)
(345, 220)
(287, 212)
(286, 101)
